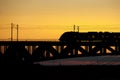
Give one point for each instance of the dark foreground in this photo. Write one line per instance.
(82, 72)
(89, 72)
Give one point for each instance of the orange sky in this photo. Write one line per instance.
(48, 19)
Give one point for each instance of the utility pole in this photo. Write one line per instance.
(17, 27)
(11, 31)
(78, 28)
(17, 31)
(74, 28)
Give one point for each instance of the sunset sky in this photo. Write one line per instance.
(48, 19)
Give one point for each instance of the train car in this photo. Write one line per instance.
(89, 36)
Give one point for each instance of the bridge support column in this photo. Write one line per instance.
(74, 52)
(87, 48)
(117, 48)
(47, 54)
(58, 48)
(33, 48)
(0, 49)
(103, 51)
(30, 49)
(61, 48)
(90, 50)
(5, 48)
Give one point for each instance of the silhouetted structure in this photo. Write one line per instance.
(71, 44)
(1, 58)
(17, 28)
(17, 54)
(90, 36)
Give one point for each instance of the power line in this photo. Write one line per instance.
(61, 27)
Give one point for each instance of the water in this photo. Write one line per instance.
(97, 60)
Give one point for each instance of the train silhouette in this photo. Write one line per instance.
(89, 36)
(28, 52)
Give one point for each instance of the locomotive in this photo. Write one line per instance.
(89, 36)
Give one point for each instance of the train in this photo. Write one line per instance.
(89, 36)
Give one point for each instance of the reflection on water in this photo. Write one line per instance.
(97, 60)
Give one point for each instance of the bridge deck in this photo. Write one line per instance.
(49, 50)
(59, 42)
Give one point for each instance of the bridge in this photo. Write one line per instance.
(18, 52)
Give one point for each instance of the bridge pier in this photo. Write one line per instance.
(76, 50)
(89, 49)
(73, 51)
(30, 50)
(59, 48)
(0, 49)
(103, 50)
(117, 48)
(46, 54)
(3, 48)
(17, 54)
(33, 48)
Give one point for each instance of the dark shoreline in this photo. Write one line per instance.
(78, 68)
(80, 72)
(97, 72)
(61, 68)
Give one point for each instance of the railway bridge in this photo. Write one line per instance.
(27, 52)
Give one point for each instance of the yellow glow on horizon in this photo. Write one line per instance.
(54, 17)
